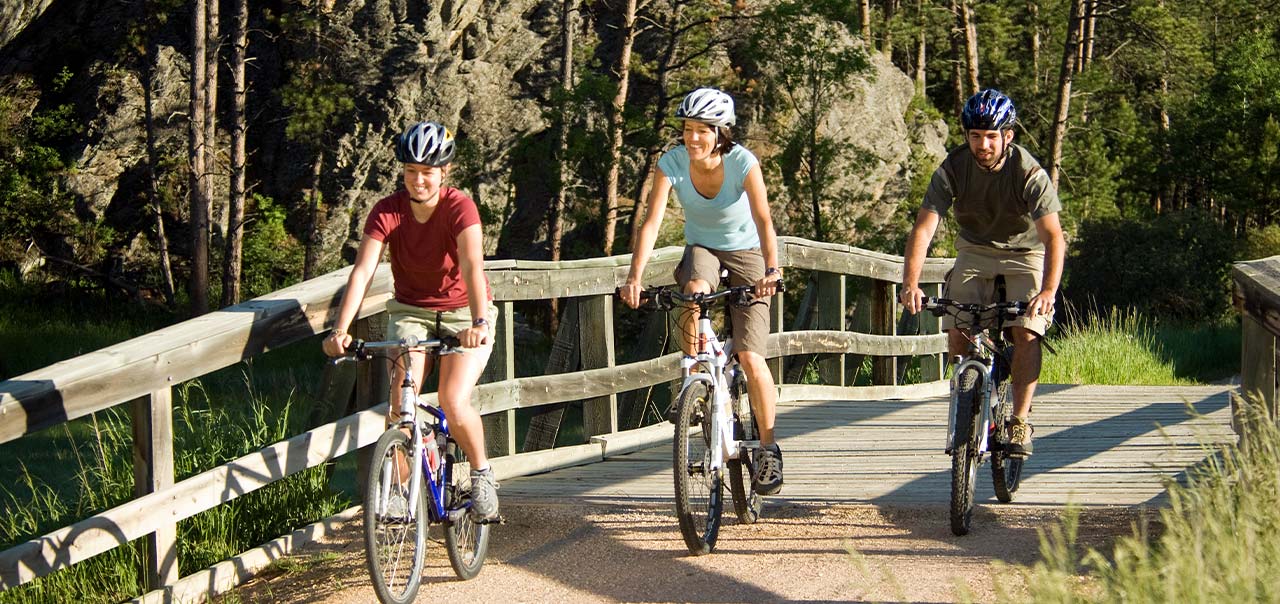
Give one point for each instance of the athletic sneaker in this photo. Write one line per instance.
(397, 505)
(484, 496)
(1020, 437)
(768, 475)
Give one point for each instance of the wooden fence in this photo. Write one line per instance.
(847, 312)
(1257, 296)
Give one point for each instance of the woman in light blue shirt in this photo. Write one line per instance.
(727, 225)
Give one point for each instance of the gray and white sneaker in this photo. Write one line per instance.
(484, 496)
(397, 505)
(768, 475)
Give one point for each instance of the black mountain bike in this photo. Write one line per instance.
(981, 405)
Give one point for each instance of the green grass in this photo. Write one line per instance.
(61, 475)
(1216, 541)
(1124, 348)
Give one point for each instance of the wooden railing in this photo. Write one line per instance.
(582, 367)
(1257, 296)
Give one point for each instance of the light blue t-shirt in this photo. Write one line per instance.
(724, 221)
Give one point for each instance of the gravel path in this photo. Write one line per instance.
(799, 551)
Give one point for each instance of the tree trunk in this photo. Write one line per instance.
(815, 176)
(153, 192)
(1091, 21)
(921, 51)
(199, 284)
(1033, 14)
(1069, 52)
(618, 106)
(212, 50)
(957, 56)
(235, 209)
(671, 24)
(554, 213)
(890, 9)
(864, 16)
(970, 45)
(311, 258)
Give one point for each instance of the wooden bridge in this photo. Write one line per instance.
(869, 432)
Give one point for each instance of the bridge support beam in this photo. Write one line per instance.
(832, 303)
(595, 320)
(500, 428)
(153, 471)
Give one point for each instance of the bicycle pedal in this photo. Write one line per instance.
(499, 520)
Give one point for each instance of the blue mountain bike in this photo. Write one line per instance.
(417, 477)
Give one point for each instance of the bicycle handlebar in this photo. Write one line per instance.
(664, 298)
(360, 350)
(941, 306)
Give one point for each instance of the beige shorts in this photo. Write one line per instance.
(746, 267)
(405, 320)
(972, 280)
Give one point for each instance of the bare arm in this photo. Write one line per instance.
(1049, 229)
(758, 197)
(913, 258)
(357, 285)
(471, 263)
(645, 238)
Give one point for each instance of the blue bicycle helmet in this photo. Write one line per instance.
(988, 110)
(427, 143)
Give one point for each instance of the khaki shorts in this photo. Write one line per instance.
(405, 320)
(972, 280)
(746, 267)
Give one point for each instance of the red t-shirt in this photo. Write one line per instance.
(424, 256)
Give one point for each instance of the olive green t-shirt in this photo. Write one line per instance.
(994, 209)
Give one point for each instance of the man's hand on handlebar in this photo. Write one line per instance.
(912, 298)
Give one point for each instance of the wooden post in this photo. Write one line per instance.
(832, 303)
(500, 428)
(932, 366)
(595, 320)
(1258, 373)
(373, 384)
(883, 369)
(777, 324)
(153, 471)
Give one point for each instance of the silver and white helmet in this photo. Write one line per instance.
(709, 106)
(427, 143)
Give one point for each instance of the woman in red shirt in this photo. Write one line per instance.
(434, 237)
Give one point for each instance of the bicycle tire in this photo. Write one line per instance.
(1006, 471)
(698, 493)
(964, 455)
(387, 536)
(466, 541)
(747, 503)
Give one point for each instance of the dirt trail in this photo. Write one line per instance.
(848, 553)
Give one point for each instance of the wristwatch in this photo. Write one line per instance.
(773, 270)
(481, 322)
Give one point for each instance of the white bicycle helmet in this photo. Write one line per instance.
(427, 143)
(709, 106)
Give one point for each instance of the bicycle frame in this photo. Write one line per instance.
(716, 357)
(980, 358)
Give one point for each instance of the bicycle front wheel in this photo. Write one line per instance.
(394, 535)
(466, 541)
(965, 453)
(1006, 471)
(698, 488)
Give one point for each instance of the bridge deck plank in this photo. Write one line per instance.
(1095, 445)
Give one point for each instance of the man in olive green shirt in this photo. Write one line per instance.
(1007, 211)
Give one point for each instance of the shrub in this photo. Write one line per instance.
(1171, 266)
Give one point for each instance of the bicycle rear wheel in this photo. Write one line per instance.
(394, 535)
(698, 489)
(466, 541)
(1006, 471)
(965, 453)
(746, 502)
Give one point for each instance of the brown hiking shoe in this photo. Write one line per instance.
(1019, 437)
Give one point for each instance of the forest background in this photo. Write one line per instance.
(130, 171)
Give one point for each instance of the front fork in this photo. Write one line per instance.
(984, 396)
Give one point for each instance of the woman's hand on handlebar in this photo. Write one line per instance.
(336, 344)
(768, 285)
(630, 293)
(912, 298)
